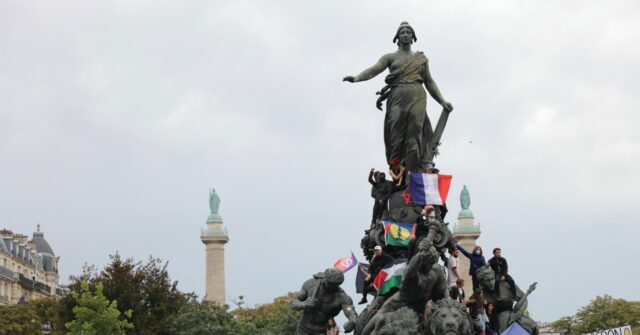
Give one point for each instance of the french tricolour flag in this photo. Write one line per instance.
(429, 189)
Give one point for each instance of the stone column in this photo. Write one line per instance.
(214, 238)
(214, 277)
(466, 232)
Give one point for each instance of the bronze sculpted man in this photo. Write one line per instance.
(423, 280)
(321, 299)
(407, 129)
(504, 311)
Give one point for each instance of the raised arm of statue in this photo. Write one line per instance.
(350, 313)
(522, 303)
(433, 89)
(371, 72)
(299, 299)
(426, 254)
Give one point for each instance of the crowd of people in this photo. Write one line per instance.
(475, 304)
(477, 308)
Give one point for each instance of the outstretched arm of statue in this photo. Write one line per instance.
(350, 312)
(433, 89)
(522, 304)
(371, 72)
(301, 300)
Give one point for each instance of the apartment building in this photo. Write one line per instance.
(28, 268)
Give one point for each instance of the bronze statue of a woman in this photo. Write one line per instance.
(407, 129)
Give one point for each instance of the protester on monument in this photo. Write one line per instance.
(373, 178)
(332, 327)
(476, 307)
(488, 327)
(381, 189)
(457, 291)
(398, 173)
(499, 265)
(452, 267)
(477, 261)
(379, 261)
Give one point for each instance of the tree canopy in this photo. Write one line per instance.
(19, 319)
(143, 288)
(603, 312)
(203, 318)
(95, 315)
(134, 298)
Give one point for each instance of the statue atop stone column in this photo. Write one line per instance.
(408, 135)
(214, 201)
(321, 299)
(214, 206)
(465, 198)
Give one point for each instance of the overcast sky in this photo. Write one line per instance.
(117, 117)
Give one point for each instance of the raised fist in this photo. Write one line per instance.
(349, 326)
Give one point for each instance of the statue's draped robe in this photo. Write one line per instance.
(407, 128)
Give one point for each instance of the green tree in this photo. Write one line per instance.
(49, 311)
(28, 318)
(160, 298)
(564, 325)
(276, 317)
(19, 320)
(95, 315)
(205, 318)
(145, 289)
(601, 313)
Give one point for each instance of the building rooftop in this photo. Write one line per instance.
(42, 246)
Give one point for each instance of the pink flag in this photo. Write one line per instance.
(345, 264)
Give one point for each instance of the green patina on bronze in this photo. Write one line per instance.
(465, 201)
(214, 205)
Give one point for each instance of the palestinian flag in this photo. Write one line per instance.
(429, 189)
(390, 277)
(398, 234)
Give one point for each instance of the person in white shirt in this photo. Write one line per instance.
(452, 268)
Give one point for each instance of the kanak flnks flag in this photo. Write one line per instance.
(390, 277)
(429, 188)
(345, 264)
(398, 234)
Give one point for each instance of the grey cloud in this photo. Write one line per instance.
(116, 117)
